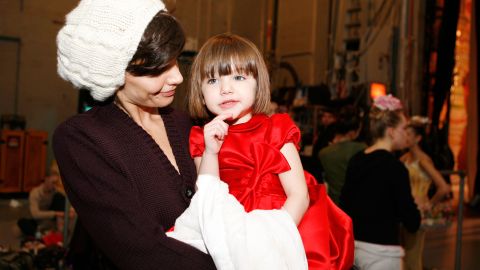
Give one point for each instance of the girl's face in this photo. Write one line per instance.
(157, 91)
(230, 94)
(412, 137)
(398, 134)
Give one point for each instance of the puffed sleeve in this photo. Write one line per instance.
(197, 142)
(284, 131)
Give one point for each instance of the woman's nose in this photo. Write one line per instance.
(175, 75)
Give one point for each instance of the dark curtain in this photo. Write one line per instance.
(477, 19)
(443, 41)
(445, 57)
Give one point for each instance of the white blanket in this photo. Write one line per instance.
(217, 224)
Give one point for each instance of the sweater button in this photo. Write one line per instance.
(189, 193)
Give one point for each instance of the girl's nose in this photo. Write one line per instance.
(225, 88)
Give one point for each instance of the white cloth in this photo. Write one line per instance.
(216, 223)
(369, 256)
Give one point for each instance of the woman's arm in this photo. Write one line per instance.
(442, 187)
(402, 195)
(294, 184)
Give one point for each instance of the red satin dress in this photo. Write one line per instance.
(250, 161)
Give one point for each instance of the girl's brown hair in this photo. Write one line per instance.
(221, 55)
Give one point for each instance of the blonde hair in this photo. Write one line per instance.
(381, 119)
(222, 55)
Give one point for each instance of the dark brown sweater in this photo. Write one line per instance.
(125, 190)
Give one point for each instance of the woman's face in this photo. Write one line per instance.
(153, 91)
(398, 134)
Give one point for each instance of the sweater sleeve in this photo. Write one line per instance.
(406, 207)
(111, 212)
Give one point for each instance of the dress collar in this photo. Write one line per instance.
(253, 123)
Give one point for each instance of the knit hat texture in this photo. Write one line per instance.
(98, 41)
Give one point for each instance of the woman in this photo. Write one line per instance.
(422, 173)
(376, 194)
(126, 165)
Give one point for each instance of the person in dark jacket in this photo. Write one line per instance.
(126, 165)
(376, 193)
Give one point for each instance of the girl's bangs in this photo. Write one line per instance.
(227, 60)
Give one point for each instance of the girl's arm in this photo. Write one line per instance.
(442, 187)
(294, 184)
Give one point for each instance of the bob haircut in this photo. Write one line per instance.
(380, 120)
(162, 42)
(223, 55)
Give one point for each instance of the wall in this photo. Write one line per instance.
(46, 100)
(303, 37)
(43, 98)
(302, 40)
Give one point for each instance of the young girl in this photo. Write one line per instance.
(422, 174)
(376, 193)
(257, 155)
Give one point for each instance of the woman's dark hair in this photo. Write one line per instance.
(162, 42)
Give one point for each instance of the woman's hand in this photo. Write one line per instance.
(214, 133)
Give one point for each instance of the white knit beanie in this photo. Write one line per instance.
(98, 41)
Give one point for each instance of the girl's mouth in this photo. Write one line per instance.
(228, 104)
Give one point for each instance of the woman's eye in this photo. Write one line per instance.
(239, 77)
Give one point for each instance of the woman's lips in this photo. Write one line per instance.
(168, 93)
(228, 104)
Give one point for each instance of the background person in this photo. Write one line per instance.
(46, 204)
(377, 194)
(335, 157)
(422, 174)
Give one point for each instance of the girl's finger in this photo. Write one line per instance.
(223, 117)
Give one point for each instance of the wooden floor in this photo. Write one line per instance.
(440, 245)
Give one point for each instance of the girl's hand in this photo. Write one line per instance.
(214, 133)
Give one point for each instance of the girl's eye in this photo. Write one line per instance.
(211, 81)
(239, 77)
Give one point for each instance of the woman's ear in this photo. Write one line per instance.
(389, 132)
(418, 138)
